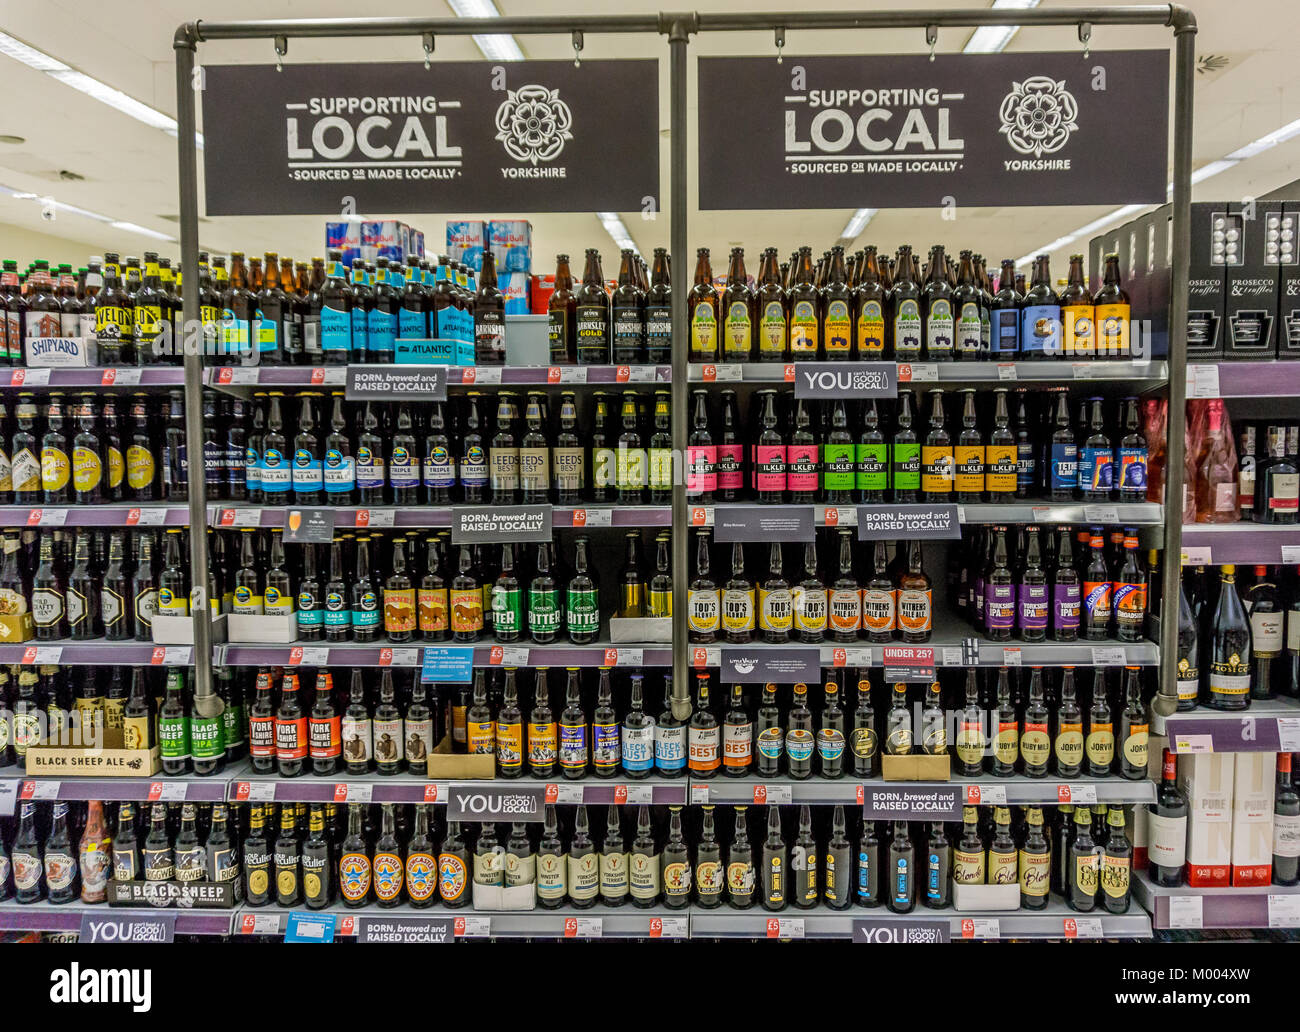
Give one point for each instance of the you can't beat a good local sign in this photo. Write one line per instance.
(329, 139)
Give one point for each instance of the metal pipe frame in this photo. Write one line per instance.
(678, 28)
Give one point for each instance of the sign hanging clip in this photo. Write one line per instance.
(780, 42)
(1085, 37)
(428, 49)
(577, 48)
(932, 37)
(281, 48)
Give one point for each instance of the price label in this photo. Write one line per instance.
(835, 516)
(171, 655)
(167, 791)
(593, 517)
(641, 374)
(40, 790)
(472, 927)
(1100, 514)
(254, 791)
(773, 795)
(627, 657)
(980, 928)
(1288, 733)
(313, 655)
(951, 656)
(121, 377)
(785, 927)
(699, 795)
(634, 795)
(240, 376)
(1081, 370)
(563, 793)
(668, 928)
(1042, 513)
(1193, 743)
(483, 374)
(8, 797)
(1186, 912)
(1011, 657)
(435, 791)
(259, 924)
(1006, 371)
(47, 517)
(702, 516)
(1291, 554)
(988, 795)
(573, 374)
(376, 518)
(851, 657)
(917, 372)
(514, 656)
(29, 378)
(354, 792)
(1113, 656)
(155, 516)
(1082, 927)
(706, 656)
(241, 517)
(1283, 910)
(584, 927)
(729, 371)
(788, 373)
(1203, 381)
(1197, 555)
(1076, 793)
(400, 657)
(47, 655)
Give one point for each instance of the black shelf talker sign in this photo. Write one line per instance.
(406, 929)
(119, 928)
(455, 136)
(900, 801)
(832, 380)
(480, 802)
(396, 383)
(918, 131)
(748, 665)
(482, 524)
(309, 526)
(926, 522)
(908, 930)
(200, 894)
(763, 523)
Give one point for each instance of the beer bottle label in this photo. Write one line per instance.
(701, 469)
(369, 469)
(1006, 744)
(1004, 868)
(970, 329)
(613, 875)
(1035, 873)
(403, 468)
(542, 743)
(737, 333)
(605, 746)
(1096, 468)
(708, 878)
(114, 325)
(771, 743)
(1069, 744)
(381, 331)
(1115, 876)
(27, 471)
(534, 469)
(507, 615)
(1100, 745)
(386, 870)
(582, 610)
(730, 467)
(60, 869)
(907, 466)
(1097, 602)
(830, 744)
(837, 329)
(291, 738)
(799, 744)
(660, 465)
(573, 746)
(452, 877)
(775, 609)
(659, 328)
(631, 468)
(274, 602)
(399, 610)
(1035, 745)
(1040, 330)
(1077, 331)
(261, 736)
(365, 610)
(1112, 328)
(809, 609)
(567, 468)
(967, 868)
(969, 466)
(1130, 603)
(1033, 606)
(738, 610)
(702, 748)
(846, 610)
(638, 746)
(878, 610)
(480, 737)
(520, 870)
(324, 737)
(1004, 332)
(191, 864)
(543, 611)
(643, 875)
(140, 470)
(1189, 681)
(871, 331)
(1085, 873)
(1064, 467)
(871, 469)
(551, 880)
(863, 742)
(439, 467)
(838, 470)
(27, 869)
(76, 603)
(490, 867)
(1132, 473)
(584, 876)
(593, 331)
(557, 335)
(337, 613)
(773, 333)
(159, 864)
(970, 742)
(939, 330)
(907, 330)
(206, 739)
(704, 332)
(174, 737)
(1135, 746)
(6, 470)
(801, 467)
(1066, 605)
(55, 469)
(937, 468)
(914, 611)
(473, 467)
(276, 475)
(737, 745)
(603, 467)
(87, 469)
(466, 610)
(670, 747)
(803, 328)
(307, 473)
(677, 879)
(740, 878)
(1000, 467)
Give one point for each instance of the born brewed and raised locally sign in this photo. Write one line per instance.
(396, 383)
(482, 524)
(949, 132)
(900, 802)
(487, 802)
(329, 139)
(405, 929)
(890, 522)
(831, 380)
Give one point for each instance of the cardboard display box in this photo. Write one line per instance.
(110, 759)
(915, 767)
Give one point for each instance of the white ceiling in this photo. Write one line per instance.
(130, 169)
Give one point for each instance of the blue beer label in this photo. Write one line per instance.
(1133, 468)
(1065, 467)
(473, 467)
(369, 472)
(366, 612)
(1040, 330)
(338, 472)
(1096, 468)
(275, 472)
(412, 324)
(337, 613)
(1026, 466)
(403, 470)
(252, 469)
(1005, 332)
(307, 471)
(359, 330)
(901, 874)
(439, 471)
(268, 332)
(335, 329)
(310, 613)
(382, 327)
(638, 747)
(670, 747)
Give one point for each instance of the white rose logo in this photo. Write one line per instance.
(1038, 115)
(533, 123)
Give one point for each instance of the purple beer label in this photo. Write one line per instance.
(1000, 606)
(1033, 606)
(1065, 605)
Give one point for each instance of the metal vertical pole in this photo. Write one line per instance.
(192, 342)
(1184, 74)
(679, 28)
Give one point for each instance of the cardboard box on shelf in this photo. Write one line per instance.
(106, 758)
(1288, 289)
(1250, 305)
(1252, 818)
(1215, 245)
(345, 237)
(539, 295)
(915, 767)
(1207, 780)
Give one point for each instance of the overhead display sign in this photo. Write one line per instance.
(960, 130)
(332, 139)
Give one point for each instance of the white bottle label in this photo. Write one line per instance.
(1266, 632)
(1167, 840)
(1286, 835)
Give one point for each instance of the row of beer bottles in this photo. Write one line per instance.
(403, 588)
(93, 449)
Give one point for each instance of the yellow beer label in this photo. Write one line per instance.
(87, 470)
(738, 610)
(967, 868)
(139, 467)
(135, 733)
(837, 328)
(1007, 743)
(26, 471)
(773, 334)
(1112, 330)
(970, 743)
(276, 602)
(1085, 873)
(969, 462)
(1004, 868)
(1035, 745)
(173, 603)
(1135, 747)
(1114, 876)
(803, 328)
(258, 882)
(112, 322)
(1101, 745)
(775, 610)
(702, 610)
(704, 330)
(1035, 873)
(936, 468)
(738, 331)
(116, 468)
(1069, 744)
(1000, 467)
(286, 883)
(55, 469)
(6, 472)
(1079, 336)
(871, 331)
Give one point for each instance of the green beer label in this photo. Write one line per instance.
(907, 467)
(583, 612)
(206, 739)
(544, 611)
(232, 726)
(871, 467)
(506, 615)
(837, 467)
(174, 737)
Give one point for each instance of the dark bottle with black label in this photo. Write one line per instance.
(773, 866)
(902, 870)
(592, 314)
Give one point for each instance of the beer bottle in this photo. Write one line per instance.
(337, 616)
(583, 863)
(967, 312)
(703, 599)
(938, 330)
(867, 890)
(386, 865)
(507, 603)
(418, 728)
(439, 465)
(124, 852)
(770, 469)
(480, 729)
(613, 862)
(310, 607)
(659, 311)
(659, 594)
(637, 733)
(1112, 313)
(971, 741)
(729, 452)
(659, 455)
(582, 599)
(939, 866)
(275, 473)
(863, 741)
(804, 306)
(703, 759)
(1078, 330)
(800, 742)
(902, 870)
(643, 863)
(316, 883)
(1069, 748)
(738, 311)
(403, 460)
(771, 308)
(49, 607)
(231, 692)
(1035, 862)
(56, 470)
(25, 453)
(1035, 743)
(366, 616)
(605, 752)
(803, 460)
(627, 304)
(1133, 729)
(770, 737)
(520, 864)
(934, 728)
(87, 456)
(631, 474)
(737, 736)
(937, 455)
(503, 454)
(1040, 316)
(152, 328)
(387, 728)
(830, 737)
(573, 744)
(898, 723)
(592, 314)
(702, 307)
(905, 453)
(968, 862)
(261, 726)
(1006, 742)
(543, 734)
(552, 880)
(1003, 858)
(58, 703)
(399, 597)
(369, 467)
(568, 456)
(534, 455)
(453, 865)
(914, 598)
(1116, 863)
(466, 599)
(1098, 593)
(82, 596)
(670, 738)
(382, 314)
(354, 863)
(870, 461)
(159, 860)
(363, 302)
(803, 863)
(114, 314)
(27, 858)
(1004, 315)
(775, 602)
(604, 463)
(561, 311)
(290, 730)
(905, 309)
(1084, 864)
(269, 314)
(307, 470)
(324, 728)
(60, 859)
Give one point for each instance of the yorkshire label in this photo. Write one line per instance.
(1033, 127)
(888, 523)
(454, 136)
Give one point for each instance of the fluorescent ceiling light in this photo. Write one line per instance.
(1265, 142)
(494, 48)
(993, 39)
(131, 227)
(85, 213)
(1091, 227)
(857, 223)
(615, 228)
(91, 87)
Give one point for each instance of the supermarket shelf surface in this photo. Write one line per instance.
(466, 376)
(1267, 906)
(66, 917)
(95, 652)
(1243, 380)
(385, 653)
(1014, 791)
(242, 514)
(968, 513)
(1269, 725)
(94, 376)
(116, 514)
(1244, 543)
(912, 373)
